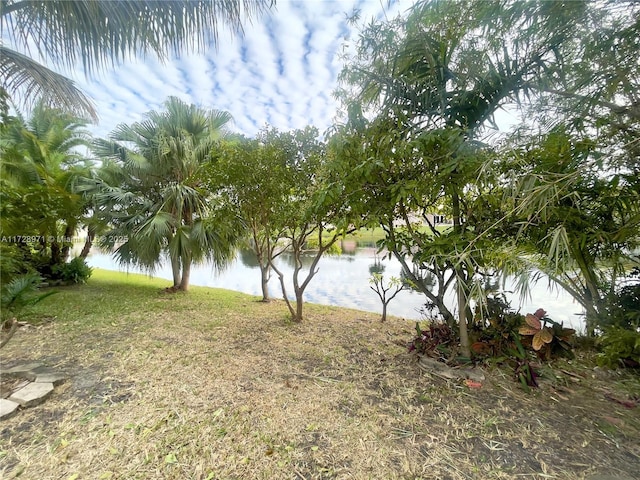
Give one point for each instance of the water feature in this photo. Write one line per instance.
(343, 280)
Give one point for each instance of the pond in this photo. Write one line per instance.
(343, 280)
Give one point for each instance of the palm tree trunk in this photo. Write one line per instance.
(88, 243)
(175, 269)
(460, 280)
(66, 248)
(186, 273)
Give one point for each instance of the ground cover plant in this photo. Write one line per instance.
(218, 385)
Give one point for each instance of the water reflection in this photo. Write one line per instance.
(343, 280)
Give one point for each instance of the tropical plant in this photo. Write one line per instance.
(523, 369)
(620, 348)
(438, 340)
(17, 295)
(578, 218)
(93, 35)
(495, 324)
(75, 271)
(159, 210)
(40, 165)
(547, 341)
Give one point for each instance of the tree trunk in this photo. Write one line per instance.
(462, 320)
(264, 281)
(56, 257)
(68, 242)
(88, 243)
(384, 312)
(186, 273)
(175, 269)
(299, 303)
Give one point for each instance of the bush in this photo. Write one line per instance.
(76, 271)
(437, 341)
(620, 348)
(15, 296)
(624, 308)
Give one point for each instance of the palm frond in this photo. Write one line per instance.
(28, 81)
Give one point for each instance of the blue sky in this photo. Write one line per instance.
(282, 72)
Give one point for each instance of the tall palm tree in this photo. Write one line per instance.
(159, 209)
(99, 33)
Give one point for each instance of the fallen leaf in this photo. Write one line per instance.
(472, 384)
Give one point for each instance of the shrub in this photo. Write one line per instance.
(76, 271)
(620, 348)
(624, 308)
(15, 296)
(494, 328)
(548, 338)
(436, 341)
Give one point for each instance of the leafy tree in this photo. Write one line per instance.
(312, 217)
(252, 175)
(98, 34)
(434, 84)
(581, 222)
(159, 207)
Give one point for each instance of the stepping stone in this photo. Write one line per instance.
(50, 377)
(33, 394)
(27, 367)
(7, 408)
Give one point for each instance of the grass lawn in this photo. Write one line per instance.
(368, 237)
(216, 385)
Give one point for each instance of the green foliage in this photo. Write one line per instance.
(76, 271)
(98, 33)
(16, 296)
(313, 243)
(620, 348)
(158, 207)
(523, 370)
(624, 306)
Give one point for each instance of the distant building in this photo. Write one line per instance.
(416, 219)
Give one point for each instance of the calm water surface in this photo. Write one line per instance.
(343, 280)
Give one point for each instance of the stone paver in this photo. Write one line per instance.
(27, 367)
(32, 394)
(7, 407)
(51, 377)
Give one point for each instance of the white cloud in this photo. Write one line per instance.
(282, 72)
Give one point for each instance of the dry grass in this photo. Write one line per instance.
(215, 385)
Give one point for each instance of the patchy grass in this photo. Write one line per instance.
(216, 385)
(368, 237)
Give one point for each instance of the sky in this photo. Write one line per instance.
(282, 72)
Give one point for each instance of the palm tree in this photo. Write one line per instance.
(98, 34)
(159, 208)
(39, 166)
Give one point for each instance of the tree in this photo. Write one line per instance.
(252, 175)
(312, 217)
(581, 222)
(97, 34)
(434, 84)
(387, 292)
(40, 166)
(159, 208)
